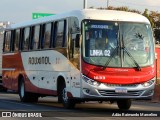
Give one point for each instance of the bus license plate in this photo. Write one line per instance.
(120, 90)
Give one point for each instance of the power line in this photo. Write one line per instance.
(134, 4)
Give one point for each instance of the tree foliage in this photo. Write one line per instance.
(146, 14)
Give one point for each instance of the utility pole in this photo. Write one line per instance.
(107, 4)
(84, 4)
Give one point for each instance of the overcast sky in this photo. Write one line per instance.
(21, 10)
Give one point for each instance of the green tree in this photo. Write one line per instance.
(134, 11)
(123, 8)
(156, 19)
(146, 14)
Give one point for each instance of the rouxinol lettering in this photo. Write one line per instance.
(38, 60)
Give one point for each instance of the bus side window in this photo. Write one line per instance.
(7, 41)
(35, 37)
(60, 34)
(47, 35)
(26, 38)
(21, 39)
(64, 44)
(12, 40)
(16, 40)
(74, 41)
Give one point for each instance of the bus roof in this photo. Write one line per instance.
(95, 14)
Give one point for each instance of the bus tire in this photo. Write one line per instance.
(3, 89)
(67, 102)
(60, 89)
(124, 104)
(33, 97)
(26, 96)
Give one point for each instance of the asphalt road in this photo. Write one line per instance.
(48, 107)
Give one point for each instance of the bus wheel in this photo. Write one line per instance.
(124, 104)
(25, 96)
(67, 102)
(60, 90)
(22, 94)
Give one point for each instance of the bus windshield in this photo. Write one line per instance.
(117, 44)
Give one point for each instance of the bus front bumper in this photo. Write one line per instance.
(114, 91)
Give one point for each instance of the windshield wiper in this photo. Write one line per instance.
(132, 58)
(114, 52)
(128, 53)
(112, 55)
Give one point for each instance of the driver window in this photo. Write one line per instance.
(74, 39)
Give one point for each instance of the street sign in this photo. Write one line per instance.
(39, 15)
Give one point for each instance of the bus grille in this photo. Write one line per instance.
(113, 93)
(121, 85)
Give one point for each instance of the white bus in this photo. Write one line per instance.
(82, 55)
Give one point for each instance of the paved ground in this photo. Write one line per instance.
(48, 107)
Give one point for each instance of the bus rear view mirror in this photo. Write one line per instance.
(77, 41)
(157, 42)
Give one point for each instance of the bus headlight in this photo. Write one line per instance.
(90, 81)
(148, 83)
